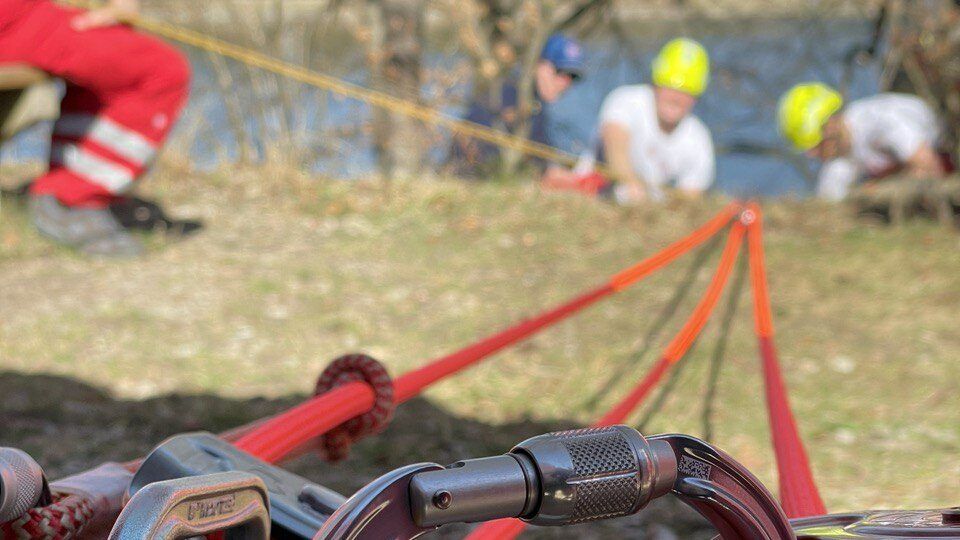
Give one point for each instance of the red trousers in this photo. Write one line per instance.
(124, 91)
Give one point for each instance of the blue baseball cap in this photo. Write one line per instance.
(565, 54)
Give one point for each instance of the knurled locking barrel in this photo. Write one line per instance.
(22, 484)
(597, 473)
(555, 479)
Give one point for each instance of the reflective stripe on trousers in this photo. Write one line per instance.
(124, 142)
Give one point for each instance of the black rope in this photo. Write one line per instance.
(660, 322)
(719, 351)
(727, 320)
(657, 405)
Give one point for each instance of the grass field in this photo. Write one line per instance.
(102, 359)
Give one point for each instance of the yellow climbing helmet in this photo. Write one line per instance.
(804, 110)
(683, 65)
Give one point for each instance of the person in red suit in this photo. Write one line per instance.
(124, 92)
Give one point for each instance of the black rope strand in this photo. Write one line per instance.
(719, 351)
(660, 322)
(733, 297)
(664, 392)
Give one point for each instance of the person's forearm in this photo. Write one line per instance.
(622, 171)
(616, 149)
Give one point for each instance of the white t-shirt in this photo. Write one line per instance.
(886, 130)
(682, 158)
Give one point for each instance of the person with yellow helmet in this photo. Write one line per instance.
(868, 138)
(648, 137)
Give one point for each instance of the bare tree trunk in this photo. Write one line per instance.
(232, 106)
(526, 98)
(286, 90)
(405, 34)
(396, 61)
(376, 26)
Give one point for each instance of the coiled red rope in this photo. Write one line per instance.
(504, 529)
(276, 437)
(799, 496)
(335, 444)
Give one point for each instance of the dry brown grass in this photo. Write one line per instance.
(292, 271)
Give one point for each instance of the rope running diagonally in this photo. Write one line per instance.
(726, 321)
(277, 437)
(504, 529)
(339, 86)
(720, 349)
(659, 325)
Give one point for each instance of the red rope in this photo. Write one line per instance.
(335, 444)
(798, 492)
(63, 519)
(275, 438)
(503, 529)
(684, 339)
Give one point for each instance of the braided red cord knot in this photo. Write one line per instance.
(63, 519)
(335, 444)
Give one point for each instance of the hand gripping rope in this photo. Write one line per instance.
(335, 444)
(275, 438)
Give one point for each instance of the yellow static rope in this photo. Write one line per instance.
(339, 86)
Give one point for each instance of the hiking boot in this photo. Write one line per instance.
(139, 214)
(92, 231)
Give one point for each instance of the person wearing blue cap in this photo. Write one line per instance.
(561, 64)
